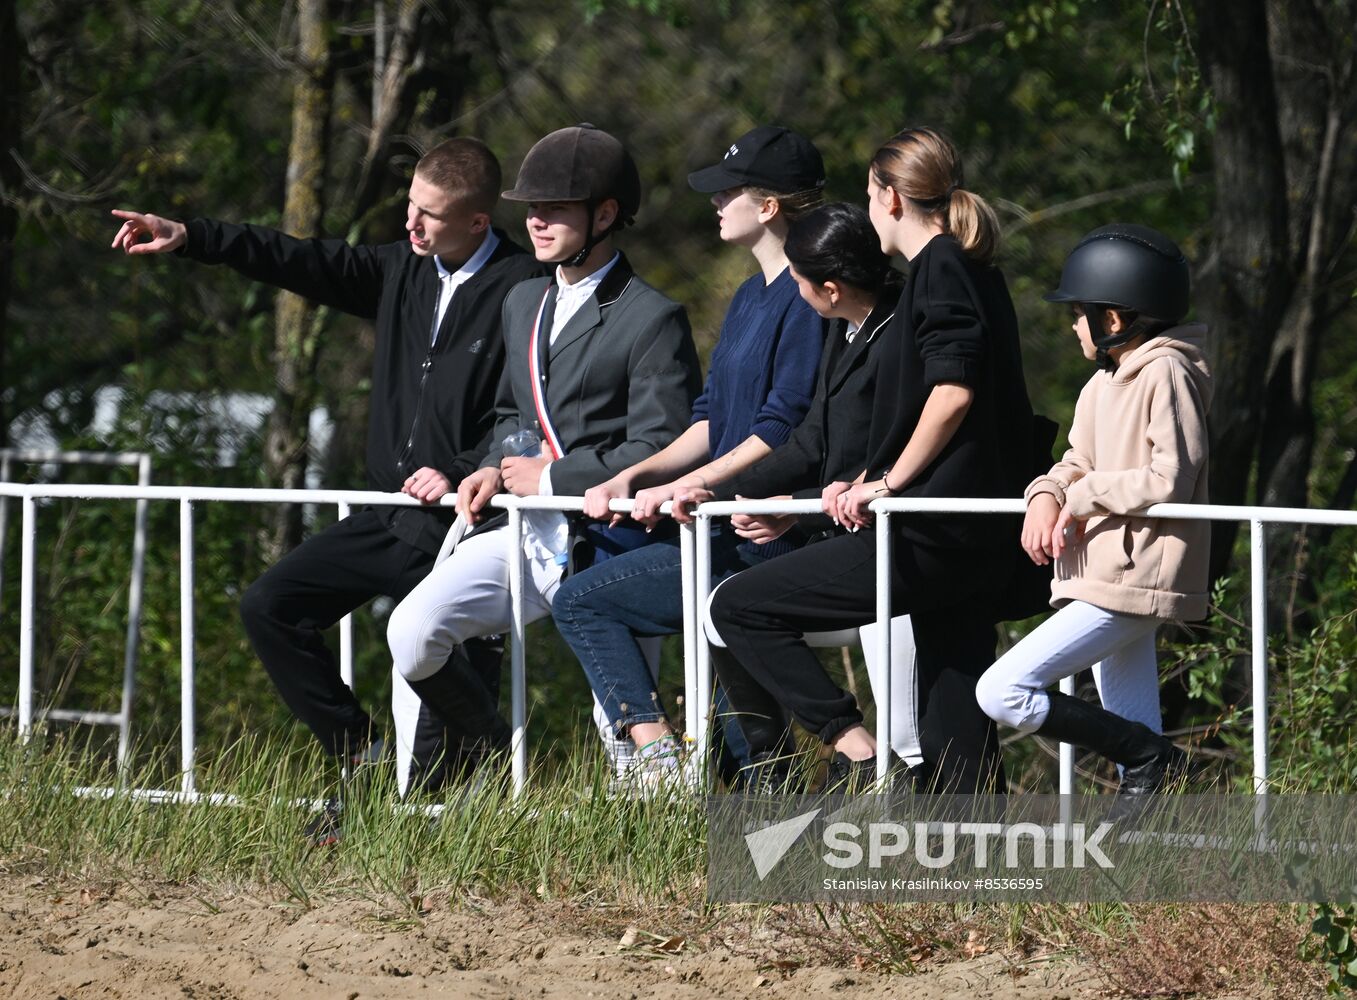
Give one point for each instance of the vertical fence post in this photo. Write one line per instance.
(1066, 749)
(518, 675)
(345, 629)
(1258, 585)
(27, 595)
(187, 718)
(136, 588)
(4, 521)
(693, 630)
(701, 592)
(883, 648)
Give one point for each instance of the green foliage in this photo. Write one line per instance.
(84, 559)
(675, 12)
(1333, 943)
(1312, 727)
(1168, 100)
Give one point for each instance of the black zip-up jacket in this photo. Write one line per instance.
(430, 405)
(831, 443)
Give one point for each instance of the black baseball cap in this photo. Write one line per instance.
(769, 157)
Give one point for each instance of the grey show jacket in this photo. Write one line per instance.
(620, 378)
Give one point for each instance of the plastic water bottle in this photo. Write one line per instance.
(523, 443)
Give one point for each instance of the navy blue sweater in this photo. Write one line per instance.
(762, 373)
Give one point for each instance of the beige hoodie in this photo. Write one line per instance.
(1139, 438)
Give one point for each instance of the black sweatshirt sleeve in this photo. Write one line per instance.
(948, 327)
(330, 272)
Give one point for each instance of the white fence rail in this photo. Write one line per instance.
(695, 548)
(141, 461)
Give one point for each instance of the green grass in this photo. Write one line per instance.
(565, 841)
(562, 839)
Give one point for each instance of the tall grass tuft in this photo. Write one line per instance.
(564, 838)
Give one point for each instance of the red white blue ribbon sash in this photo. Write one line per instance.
(539, 395)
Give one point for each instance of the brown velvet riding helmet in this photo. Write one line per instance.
(579, 163)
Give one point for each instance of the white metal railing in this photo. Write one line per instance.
(141, 461)
(695, 549)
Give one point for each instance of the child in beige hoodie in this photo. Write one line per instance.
(1138, 438)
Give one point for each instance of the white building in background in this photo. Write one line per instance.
(230, 418)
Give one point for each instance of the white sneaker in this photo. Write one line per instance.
(651, 771)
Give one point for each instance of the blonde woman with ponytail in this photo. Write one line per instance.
(951, 419)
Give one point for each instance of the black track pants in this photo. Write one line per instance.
(287, 609)
(960, 743)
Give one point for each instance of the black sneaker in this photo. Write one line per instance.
(849, 777)
(325, 830)
(767, 773)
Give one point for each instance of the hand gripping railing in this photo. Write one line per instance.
(695, 548)
(1257, 517)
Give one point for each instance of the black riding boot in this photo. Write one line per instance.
(463, 701)
(1146, 758)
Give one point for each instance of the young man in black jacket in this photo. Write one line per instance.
(439, 353)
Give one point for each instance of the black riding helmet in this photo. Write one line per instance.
(580, 163)
(1134, 269)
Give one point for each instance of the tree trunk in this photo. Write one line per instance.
(413, 39)
(397, 58)
(296, 334)
(1248, 295)
(1313, 69)
(1285, 166)
(10, 179)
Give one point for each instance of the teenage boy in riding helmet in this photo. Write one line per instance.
(599, 364)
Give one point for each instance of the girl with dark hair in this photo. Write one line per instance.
(842, 273)
(951, 418)
(757, 391)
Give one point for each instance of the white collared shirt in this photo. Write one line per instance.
(450, 281)
(569, 298)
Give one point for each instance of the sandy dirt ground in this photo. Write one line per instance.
(78, 943)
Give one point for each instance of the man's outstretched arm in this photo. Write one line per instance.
(330, 272)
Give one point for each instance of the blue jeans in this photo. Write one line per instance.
(603, 610)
